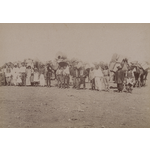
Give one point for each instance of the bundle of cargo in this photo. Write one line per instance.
(62, 62)
(112, 65)
(79, 65)
(61, 59)
(54, 64)
(118, 60)
(87, 66)
(103, 65)
(145, 65)
(96, 65)
(36, 63)
(114, 57)
(74, 62)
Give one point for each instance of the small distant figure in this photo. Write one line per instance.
(92, 78)
(48, 75)
(59, 74)
(19, 80)
(8, 75)
(36, 77)
(28, 75)
(66, 74)
(32, 78)
(129, 80)
(98, 76)
(23, 73)
(42, 80)
(82, 75)
(106, 78)
(119, 78)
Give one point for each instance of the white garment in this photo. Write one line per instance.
(19, 79)
(98, 73)
(36, 77)
(66, 71)
(22, 69)
(42, 80)
(15, 73)
(98, 84)
(92, 74)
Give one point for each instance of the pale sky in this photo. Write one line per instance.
(88, 42)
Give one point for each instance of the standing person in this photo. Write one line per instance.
(66, 74)
(8, 75)
(77, 79)
(42, 76)
(119, 78)
(73, 74)
(36, 77)
(82, 75)
(48, 75)
(62, 77)
(98, 76)
(129, 80)
(58, 75)
(92, 78)
(32, 78)
(15, 73)
(23, 73)
(28, 75)
(2, 76)
(42, 79)
(106, 78)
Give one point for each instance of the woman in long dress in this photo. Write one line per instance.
(98, 76)
(15, 73)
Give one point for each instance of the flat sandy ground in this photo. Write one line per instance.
(38, 107)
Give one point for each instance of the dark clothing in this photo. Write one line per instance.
(23, 78)
(93, 84)
(73, 72)
(82, 81)
(66, 81)
(120, 86)
(119, 79)
(48, 75)
(82, 74)
(119, 76)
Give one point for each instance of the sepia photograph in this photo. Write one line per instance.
(75, 75)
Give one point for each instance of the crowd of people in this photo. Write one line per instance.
(29, 75)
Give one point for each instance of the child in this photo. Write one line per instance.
(19, 81)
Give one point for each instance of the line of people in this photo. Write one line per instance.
(27, 75)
